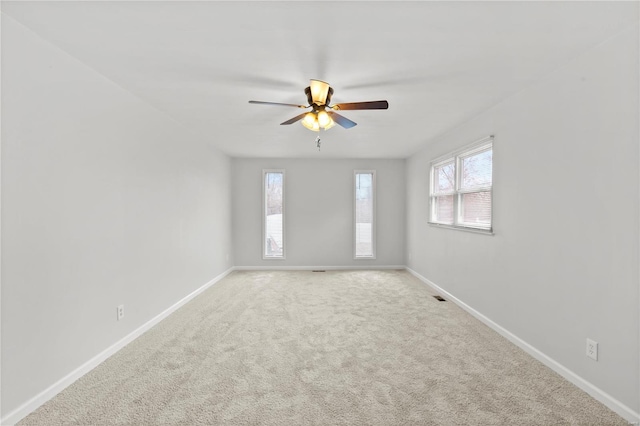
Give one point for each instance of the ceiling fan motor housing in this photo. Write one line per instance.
(312, 102)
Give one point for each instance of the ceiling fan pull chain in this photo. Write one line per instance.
(318, 142)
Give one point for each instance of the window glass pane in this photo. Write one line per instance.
(444, 176)
(476, 170)
(462, 186)
(274, 219)
(476, 209)
(443, 209)
(364, 215)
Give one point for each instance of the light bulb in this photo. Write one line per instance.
(309, 118)
(323, 119)
(330, 124)
(310, 122)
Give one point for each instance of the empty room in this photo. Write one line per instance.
(320, 213)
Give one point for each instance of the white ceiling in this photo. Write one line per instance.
(437, 63)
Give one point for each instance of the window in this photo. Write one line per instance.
(461, 188)
(273, 218)
(364, 214)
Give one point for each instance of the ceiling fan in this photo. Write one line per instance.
(322, 114)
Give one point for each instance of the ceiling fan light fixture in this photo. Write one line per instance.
(330, 125)
(319, 91)
(322, 114)
(323, 119)
(309, 118)
(310, 121)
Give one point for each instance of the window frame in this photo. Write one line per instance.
(264, 215)
(456, 157)
(373, 214)
(432, 193)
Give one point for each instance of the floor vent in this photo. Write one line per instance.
(318, 270)
(439, 298)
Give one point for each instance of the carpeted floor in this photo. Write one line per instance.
(333, 348)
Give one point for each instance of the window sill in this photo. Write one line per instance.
(463, 228)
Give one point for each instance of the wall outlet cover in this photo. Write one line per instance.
(592, 349)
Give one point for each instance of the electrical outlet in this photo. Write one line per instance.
(120, 312)
(592, 349)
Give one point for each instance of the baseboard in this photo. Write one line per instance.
(314, 268)
(597, 393)
(44, 396)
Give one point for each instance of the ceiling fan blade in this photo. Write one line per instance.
(294, 119)
(341, 120)
(361, 105)
(277, 103)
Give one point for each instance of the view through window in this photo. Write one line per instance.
(462, 186)
(273, 214)
(364, 213)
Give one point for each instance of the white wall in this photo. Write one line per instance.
(105, 201)
(563, 264)
(318, 211)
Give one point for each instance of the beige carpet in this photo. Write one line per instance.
(304, 348)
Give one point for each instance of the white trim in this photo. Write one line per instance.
(321, 268)
(473, 146)
(44, 396)
(439, 163)
(0, 235)
(638, 260)
(463, 228)
(456, 157)
(264, 215)
(600, 395)
(373, 214)
(31, 405)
